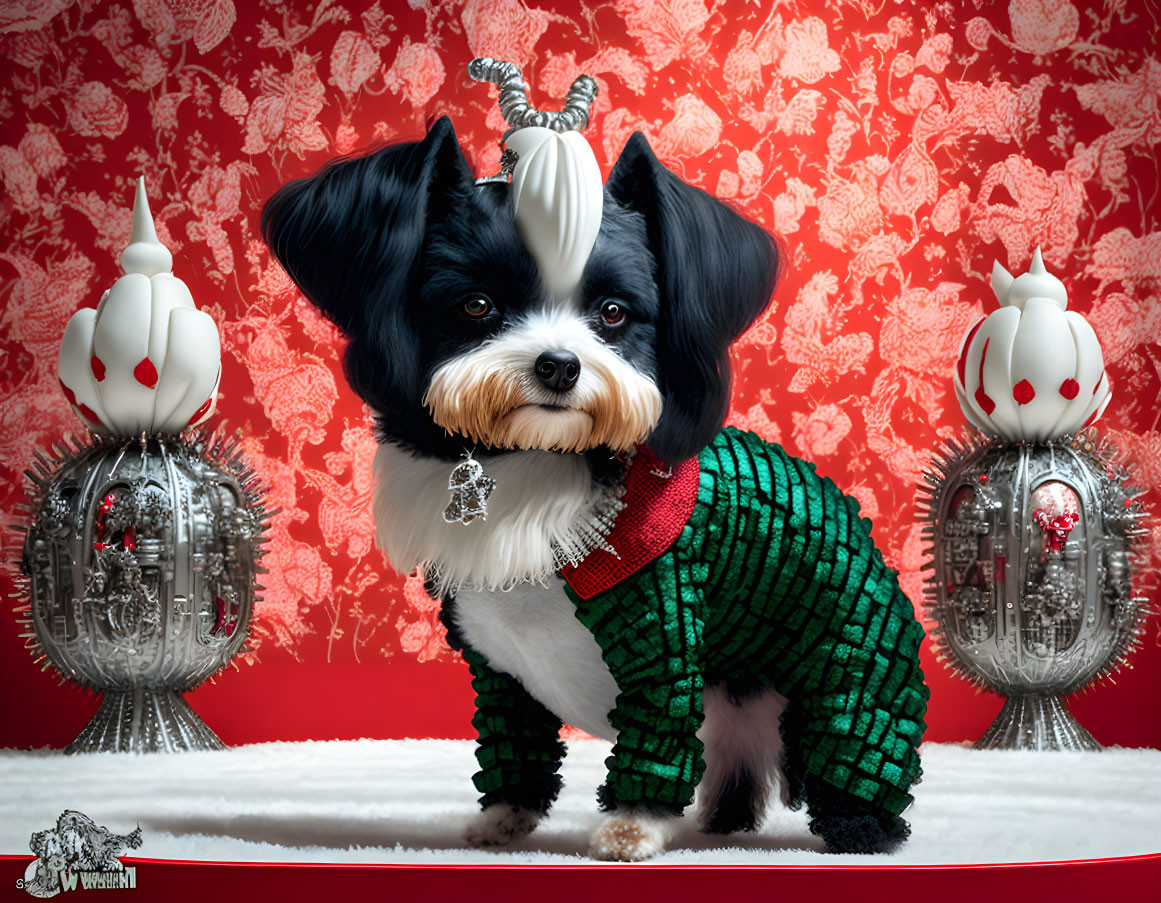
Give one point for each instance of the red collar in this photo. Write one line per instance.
(658, 503)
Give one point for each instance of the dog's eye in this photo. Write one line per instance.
(613, 313)
(476, 306)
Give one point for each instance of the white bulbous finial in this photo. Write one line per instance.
(146, 359)
(1031, 371)
(144, 253)
(1037, 283)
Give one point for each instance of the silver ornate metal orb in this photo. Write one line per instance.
(141, 561)
(1030, 579)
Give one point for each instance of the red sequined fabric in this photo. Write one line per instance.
(658, 501)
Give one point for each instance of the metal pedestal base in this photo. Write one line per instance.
(145, 721)
(1036, 722)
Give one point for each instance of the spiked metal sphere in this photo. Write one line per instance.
(141, 562)
(1030, 577)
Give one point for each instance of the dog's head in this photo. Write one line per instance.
(456, 340)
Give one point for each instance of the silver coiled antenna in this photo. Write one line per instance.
(519, 113)
(514, 105)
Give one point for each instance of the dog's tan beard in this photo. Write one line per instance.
(493, 397)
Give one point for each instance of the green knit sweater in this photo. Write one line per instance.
(773, 582)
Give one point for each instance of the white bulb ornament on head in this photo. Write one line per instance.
(557, 200)
(145, 360)
(557, 194)
(1033, 370)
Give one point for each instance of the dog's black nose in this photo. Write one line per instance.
(559, 370)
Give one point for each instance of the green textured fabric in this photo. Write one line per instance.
(773, 582)
(518, 749)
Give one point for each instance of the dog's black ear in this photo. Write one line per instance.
(351, 236)
(716, 272)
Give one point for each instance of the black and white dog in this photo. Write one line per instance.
(545, 325)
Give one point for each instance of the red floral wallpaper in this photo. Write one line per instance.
(897, 148)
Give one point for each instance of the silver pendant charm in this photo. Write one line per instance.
(469, 490)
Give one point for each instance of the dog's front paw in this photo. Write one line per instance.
(500, 824)
(629, 837)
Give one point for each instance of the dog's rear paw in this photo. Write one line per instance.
(854, 833)
(629, 837)
(500, 824)
(850, 825)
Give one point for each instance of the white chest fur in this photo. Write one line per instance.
(532, 633)
(541, 502)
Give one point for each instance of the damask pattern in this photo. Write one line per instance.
(897, 149)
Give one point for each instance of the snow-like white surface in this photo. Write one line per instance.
(406, 801)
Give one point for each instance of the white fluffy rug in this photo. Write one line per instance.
(406, 801)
